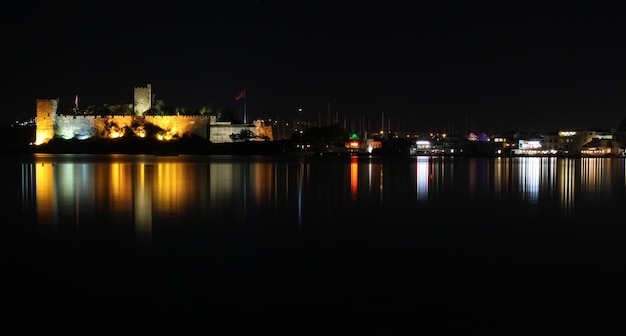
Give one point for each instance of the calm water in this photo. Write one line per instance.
(95, 243)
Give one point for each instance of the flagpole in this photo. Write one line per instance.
(241, 95)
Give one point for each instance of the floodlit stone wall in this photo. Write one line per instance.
(116, 126)
(261, 130)
(181, 125)
(50, 124)
(70, 127)
(220, 132)
(46, 113)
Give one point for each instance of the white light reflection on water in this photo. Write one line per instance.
(497, 232)
(529, 172)
(150, 193)
(422, 177)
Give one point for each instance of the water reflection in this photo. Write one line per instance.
(150, 193)
(143, 207)
(529, 171)
(354, 177)
(566, 182)
(422, 177)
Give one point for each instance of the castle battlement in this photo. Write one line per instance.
(143, 100)
(51, 124)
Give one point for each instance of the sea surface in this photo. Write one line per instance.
(104, 244)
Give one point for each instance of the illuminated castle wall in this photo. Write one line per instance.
(50, 124)
(115, 126)
(46, 114)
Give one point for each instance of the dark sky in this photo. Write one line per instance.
(432, 66)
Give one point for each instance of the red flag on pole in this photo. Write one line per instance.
(241, 94)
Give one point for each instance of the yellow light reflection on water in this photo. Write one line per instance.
(143, 206)
(132, 192)
(46, 206)
(565, 183)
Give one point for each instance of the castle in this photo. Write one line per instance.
(51, 123)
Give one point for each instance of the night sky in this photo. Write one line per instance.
(432, 66)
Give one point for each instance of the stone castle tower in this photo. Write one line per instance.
(143, 100)
(51, 123)
(46, 114)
